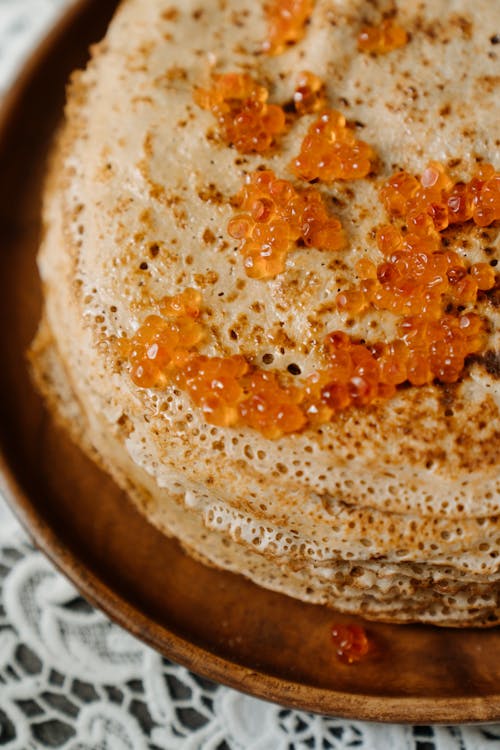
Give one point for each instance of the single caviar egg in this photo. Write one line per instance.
(459, 203)
(383, 38)
(351, 643)
(389, 239)
(484, 276)
(309, 95)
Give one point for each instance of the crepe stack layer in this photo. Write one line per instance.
(389, 510)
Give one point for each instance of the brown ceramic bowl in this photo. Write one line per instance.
(217, 624)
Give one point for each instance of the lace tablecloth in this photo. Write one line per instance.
(70, 679)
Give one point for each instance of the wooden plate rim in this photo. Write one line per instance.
(404, 710)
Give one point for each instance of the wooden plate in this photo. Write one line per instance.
(215, 623)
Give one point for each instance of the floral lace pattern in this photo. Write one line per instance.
(72, 680)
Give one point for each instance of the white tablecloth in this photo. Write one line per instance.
(70, 679)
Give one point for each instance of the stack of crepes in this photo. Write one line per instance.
(211, 360)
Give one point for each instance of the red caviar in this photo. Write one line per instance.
(417, 279)
(287, 20)
(351, 643)
(330, 151)
(269, 407)
(275, 215)
(416, 276)
(484, 276)
(383, 38)
(214, 384)
(231, 392)
(246, 120)
(310, 93)
(164, 342)
(436, 201)
(360, 374)
(227, 390)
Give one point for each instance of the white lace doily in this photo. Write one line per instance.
(70, 679)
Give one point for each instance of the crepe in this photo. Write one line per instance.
(389, 510)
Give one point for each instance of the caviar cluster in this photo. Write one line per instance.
(383, 38)
(275, 216)
(231, 393)
(352, 377)
(245, 119)
(351, 643)
(227, 389)
(215, 386)
(286, 20)
(418, 279)
(164, 342)
(330, 151)
(436, 201)
(360, 374)
(272, 408)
